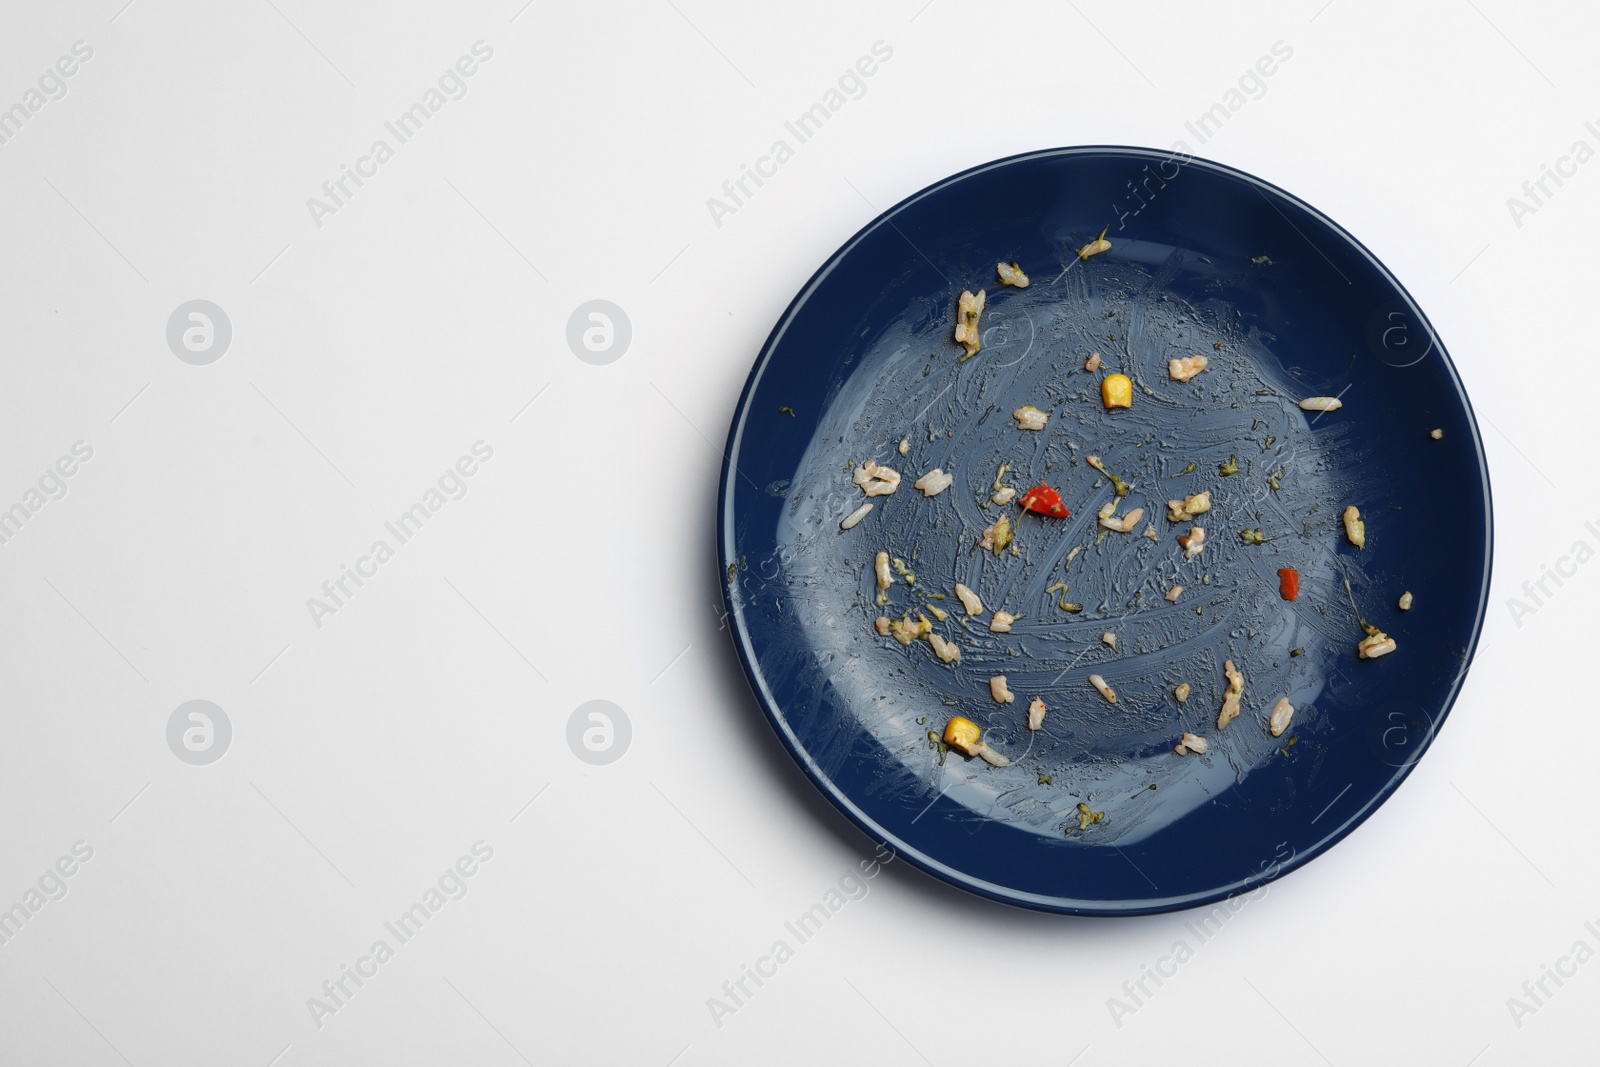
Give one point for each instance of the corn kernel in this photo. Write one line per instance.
(962, 735)
(1116, 390)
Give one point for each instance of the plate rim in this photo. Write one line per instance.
(768, 703)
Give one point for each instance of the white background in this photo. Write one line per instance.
(369, 353)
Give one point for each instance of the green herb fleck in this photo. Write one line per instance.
(1117, 483)
(1293, 652)
(786, 410)
(1044, 779)
(1087, 818)
(1187, 470)
(1229, 468)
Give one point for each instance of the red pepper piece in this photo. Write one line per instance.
(1043, 500)
(1289, 583)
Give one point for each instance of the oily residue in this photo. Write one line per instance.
(1241, 410)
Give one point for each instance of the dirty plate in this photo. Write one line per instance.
(1095, 813)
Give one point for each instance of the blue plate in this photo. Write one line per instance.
(1204, 260)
